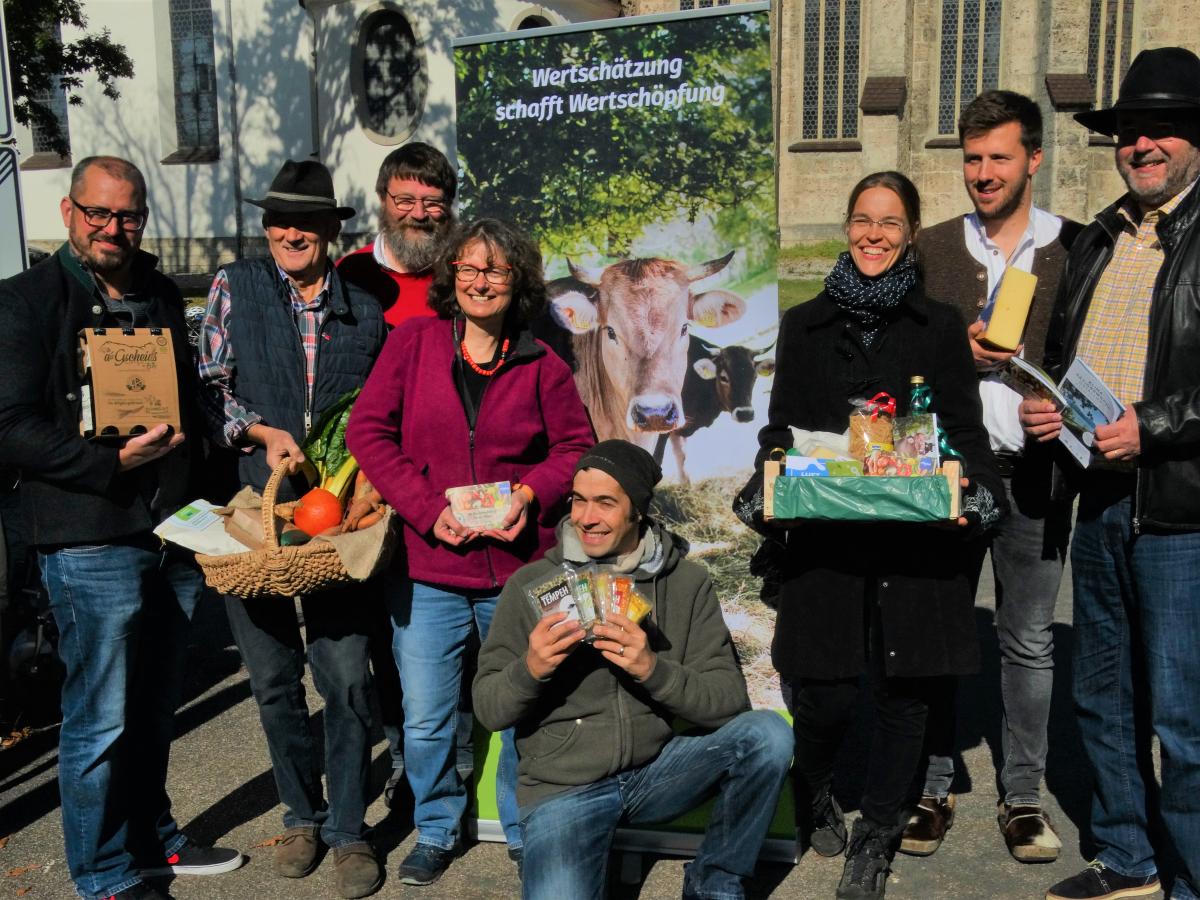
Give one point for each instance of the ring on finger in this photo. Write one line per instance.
(621, 652)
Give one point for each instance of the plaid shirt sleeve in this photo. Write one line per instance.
(228, 419)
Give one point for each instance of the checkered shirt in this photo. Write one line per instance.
(218, 365)
(1116, 332)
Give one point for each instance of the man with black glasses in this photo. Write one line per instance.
(122, 601)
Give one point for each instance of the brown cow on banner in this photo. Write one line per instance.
(629, 327)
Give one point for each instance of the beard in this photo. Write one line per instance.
(416, 245)
(1008, 205)
(1180, 172)
(104, 262)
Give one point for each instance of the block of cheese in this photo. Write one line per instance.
(1010, 310)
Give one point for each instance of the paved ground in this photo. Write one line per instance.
(223, 792)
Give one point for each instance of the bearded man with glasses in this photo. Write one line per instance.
(416, 187)
(122, 601)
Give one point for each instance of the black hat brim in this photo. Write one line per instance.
(1104, 121)
(273, 204)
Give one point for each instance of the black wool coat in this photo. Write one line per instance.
(71, 489)
(833, 571)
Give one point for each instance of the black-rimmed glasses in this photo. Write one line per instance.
(99, 217)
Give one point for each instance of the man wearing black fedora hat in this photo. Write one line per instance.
(1130, 308)
(284, 337)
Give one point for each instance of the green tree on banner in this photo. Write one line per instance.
(595, 180)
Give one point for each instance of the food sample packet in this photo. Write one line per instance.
(621, 588)
(580, 581)
(638, 608)
(553, 595)
(481, 506)
(601, 591)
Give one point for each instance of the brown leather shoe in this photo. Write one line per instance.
(928, 826)
(1028, 833)
(298, 852)
(357, 871)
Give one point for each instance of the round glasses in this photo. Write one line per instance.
(493, 274)
(890, 227)
(406, 204)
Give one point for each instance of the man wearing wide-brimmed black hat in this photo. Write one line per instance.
(1130, 309)
(284, 337)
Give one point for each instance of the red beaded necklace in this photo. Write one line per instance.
(474, 365)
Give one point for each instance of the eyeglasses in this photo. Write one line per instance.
(890, 227)
(99, 217)
(1128, 131)
(433, 206)
(493, 274)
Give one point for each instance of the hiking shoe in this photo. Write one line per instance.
(424, 864)
(356, 869)
(517, 855)
(298, 852)
(928, 826)
(868, 862)
(192, 859)
(828, 824)
(140, 891)
(1099, 882)
(1028, 833)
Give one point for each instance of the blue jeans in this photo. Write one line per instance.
(123, 612)
(431, 628)
(1137, 627)
(337, 625)
(742, 764)
(1027, 550)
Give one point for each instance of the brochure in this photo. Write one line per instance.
(198, 527)
(1084, 400)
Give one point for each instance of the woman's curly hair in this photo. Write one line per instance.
(519, 251)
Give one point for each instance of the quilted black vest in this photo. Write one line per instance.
(270, 360)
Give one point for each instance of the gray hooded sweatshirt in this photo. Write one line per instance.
(589, 719)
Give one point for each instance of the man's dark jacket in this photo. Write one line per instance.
(1168, 468)
(71, 489)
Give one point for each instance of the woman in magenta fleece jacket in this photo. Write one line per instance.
(467, 398)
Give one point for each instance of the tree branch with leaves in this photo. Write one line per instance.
(41, 62)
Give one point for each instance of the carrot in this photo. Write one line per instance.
(361, 485)
(370, 519)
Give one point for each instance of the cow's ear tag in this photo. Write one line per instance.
(764, 367)
(712, 309)
(705, 368)
(574, 312)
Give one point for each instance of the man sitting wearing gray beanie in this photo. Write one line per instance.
(595, 720)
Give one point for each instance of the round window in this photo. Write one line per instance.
(390, 76)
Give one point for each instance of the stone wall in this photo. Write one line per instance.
(902, 38)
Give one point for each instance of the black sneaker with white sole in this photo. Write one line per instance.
(424, 864)
(192, 859)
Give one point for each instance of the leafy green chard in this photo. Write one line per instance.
(325, 447)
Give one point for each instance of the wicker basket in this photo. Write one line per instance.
(276, 570)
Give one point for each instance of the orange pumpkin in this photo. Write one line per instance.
(317, 511)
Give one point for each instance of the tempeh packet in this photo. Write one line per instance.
(566, 591)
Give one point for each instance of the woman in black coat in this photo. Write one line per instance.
(892, 602)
